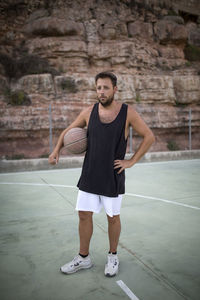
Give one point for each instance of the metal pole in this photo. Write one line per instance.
(130, 139)
(190, 129)
(50, 130)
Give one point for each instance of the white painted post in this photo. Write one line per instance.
(190, 129)
(50, 130)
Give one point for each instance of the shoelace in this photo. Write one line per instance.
(76, 259)
(112, 260)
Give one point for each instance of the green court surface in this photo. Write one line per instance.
(159, 248)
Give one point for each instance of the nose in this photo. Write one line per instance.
(102, 91)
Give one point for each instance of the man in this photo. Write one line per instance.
(102, 181)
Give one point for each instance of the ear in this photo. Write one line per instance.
(115, 89)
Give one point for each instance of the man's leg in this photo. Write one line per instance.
(114, 229)
(85, 231)
(82, 261)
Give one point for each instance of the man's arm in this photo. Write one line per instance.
(134, 120)
(80, 121)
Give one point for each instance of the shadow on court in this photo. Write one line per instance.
(159, 244)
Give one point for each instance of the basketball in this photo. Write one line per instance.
(75, 140)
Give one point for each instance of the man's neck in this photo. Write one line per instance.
(112, 106)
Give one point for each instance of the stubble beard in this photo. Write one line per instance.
(108, 101)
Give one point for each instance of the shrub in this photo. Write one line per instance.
(171, 12)
(15, 156)
(26, 65)
(69, 85)
(32, 64)
(172, 146)
(192, 53)
(17, 98)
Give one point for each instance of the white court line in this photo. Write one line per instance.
(163, 200)
(40, 184)
(128, 194)
(128, 292)
(139, 164)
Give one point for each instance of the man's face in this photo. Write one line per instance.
(105, 91)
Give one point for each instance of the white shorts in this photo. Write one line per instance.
(92, 202)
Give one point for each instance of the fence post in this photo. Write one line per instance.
(50, 130)
(190, 129)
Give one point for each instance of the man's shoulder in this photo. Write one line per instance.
(87, 110)
(130, 109)
(131, 112)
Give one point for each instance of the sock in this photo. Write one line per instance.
(112, 252)
(84, 256)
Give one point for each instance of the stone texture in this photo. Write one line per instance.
(194, 37)
(139, 41)
(151, 89)
(176, 19)
(170, 32)
(63, 53)
(52, 26)
(187, 89)
(32, 84)
(140, 29)
(3, 84)
(171, 52)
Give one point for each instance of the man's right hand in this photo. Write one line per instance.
(53, 158)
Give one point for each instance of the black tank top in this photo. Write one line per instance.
(106, 142)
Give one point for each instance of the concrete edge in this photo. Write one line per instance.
(7, 166)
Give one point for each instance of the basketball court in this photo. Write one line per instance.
(159, 248)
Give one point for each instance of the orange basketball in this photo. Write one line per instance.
(75, 140)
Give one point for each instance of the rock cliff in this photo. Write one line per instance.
(50, 52)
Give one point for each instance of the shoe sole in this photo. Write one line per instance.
(81, 268)
(108, 275)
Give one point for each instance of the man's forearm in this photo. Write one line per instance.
(143, 148)
(59, 144)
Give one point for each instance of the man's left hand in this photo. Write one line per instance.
(122, 165)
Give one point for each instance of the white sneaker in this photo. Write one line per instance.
(76, 264)
(111, 268)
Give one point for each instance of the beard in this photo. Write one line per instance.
(106, 101)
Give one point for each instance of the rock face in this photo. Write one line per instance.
(143, 44)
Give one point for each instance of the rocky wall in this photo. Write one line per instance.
(162, 101)
(50, 52)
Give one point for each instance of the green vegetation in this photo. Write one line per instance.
(45, 155)
(16, 98)
(192, 53)
(138, 98)
(69, 85)
(178, 104)
(172, 146)
(171, 12)
(15, 156)
(25, 65)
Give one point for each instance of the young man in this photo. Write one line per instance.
(102, 181)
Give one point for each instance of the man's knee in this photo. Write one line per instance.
(85, 215)
(114, 219)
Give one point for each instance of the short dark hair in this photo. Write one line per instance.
(110, 75)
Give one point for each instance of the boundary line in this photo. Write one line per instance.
(40, 184)
(140, 163)
(127, 194)
(163, 200)
(126, 289)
